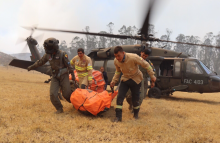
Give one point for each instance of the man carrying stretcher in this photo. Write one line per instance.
(127, 63)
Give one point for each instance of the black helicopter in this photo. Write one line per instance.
(175, 71)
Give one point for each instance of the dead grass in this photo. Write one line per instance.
(27, 115)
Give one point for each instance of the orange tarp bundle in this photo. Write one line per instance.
(98, 82)
(91, 101)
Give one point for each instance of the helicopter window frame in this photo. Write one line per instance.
(167, 68)
(177, 69)
(98, 64)
(197, 69)
(110, 66)
(207, 70)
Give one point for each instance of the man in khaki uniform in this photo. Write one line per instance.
(60, 66)
(127, 63)
(144, 84)
(83, 67)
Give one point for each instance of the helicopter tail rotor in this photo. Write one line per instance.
(25, 48)
(28, 39)
(39, 37)
(20, 40)
(32, 29)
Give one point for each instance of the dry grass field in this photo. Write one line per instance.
(27, 115)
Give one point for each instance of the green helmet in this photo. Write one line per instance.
(51, 45)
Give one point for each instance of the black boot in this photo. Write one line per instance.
(59, 111)
(118, 117)
(136, 111)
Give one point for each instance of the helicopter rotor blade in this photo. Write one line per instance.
(190, 44)
(33, 28)
(27, 28)
(88, 33)
(117, 36)
(39, 37)
(30, 28)
(20, 40)
(145, 26)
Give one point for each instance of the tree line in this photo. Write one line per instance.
(209, 56)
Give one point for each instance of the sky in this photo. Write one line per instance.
(188, 17)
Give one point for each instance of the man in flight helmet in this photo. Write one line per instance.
(60, 66)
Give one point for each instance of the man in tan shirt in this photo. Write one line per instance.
(127, 63)
(83, 67)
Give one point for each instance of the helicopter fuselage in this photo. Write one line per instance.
(173, 73)
(174, 70)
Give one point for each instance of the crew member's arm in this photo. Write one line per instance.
(89, 69)
(116, 76)
(39, 63)
(67, 62)
(151, 64)
(72, 62)
(68, 65)
(140, 61)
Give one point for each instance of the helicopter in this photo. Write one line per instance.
(175, 71)
(35, 55)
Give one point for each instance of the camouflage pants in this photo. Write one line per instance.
(143, 92)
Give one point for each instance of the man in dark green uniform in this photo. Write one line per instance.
(60, 66)
(144, 84)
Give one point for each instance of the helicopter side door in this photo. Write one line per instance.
(170, 73)
(194, 76)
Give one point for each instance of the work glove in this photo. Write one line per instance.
(152, 84)
(112, 84)
(153, 79)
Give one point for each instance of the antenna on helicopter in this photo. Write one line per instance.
(179, 55)
(163, 47)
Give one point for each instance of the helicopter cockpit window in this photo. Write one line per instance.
(193, 67)
(205, 68)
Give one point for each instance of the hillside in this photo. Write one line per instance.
(22, 56)
(5, 59)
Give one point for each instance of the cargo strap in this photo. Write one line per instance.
(86, 99)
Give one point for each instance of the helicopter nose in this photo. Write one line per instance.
(215, 83)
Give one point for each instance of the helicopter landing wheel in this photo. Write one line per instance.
(154, 93)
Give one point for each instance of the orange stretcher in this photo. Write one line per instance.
(87, 100)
